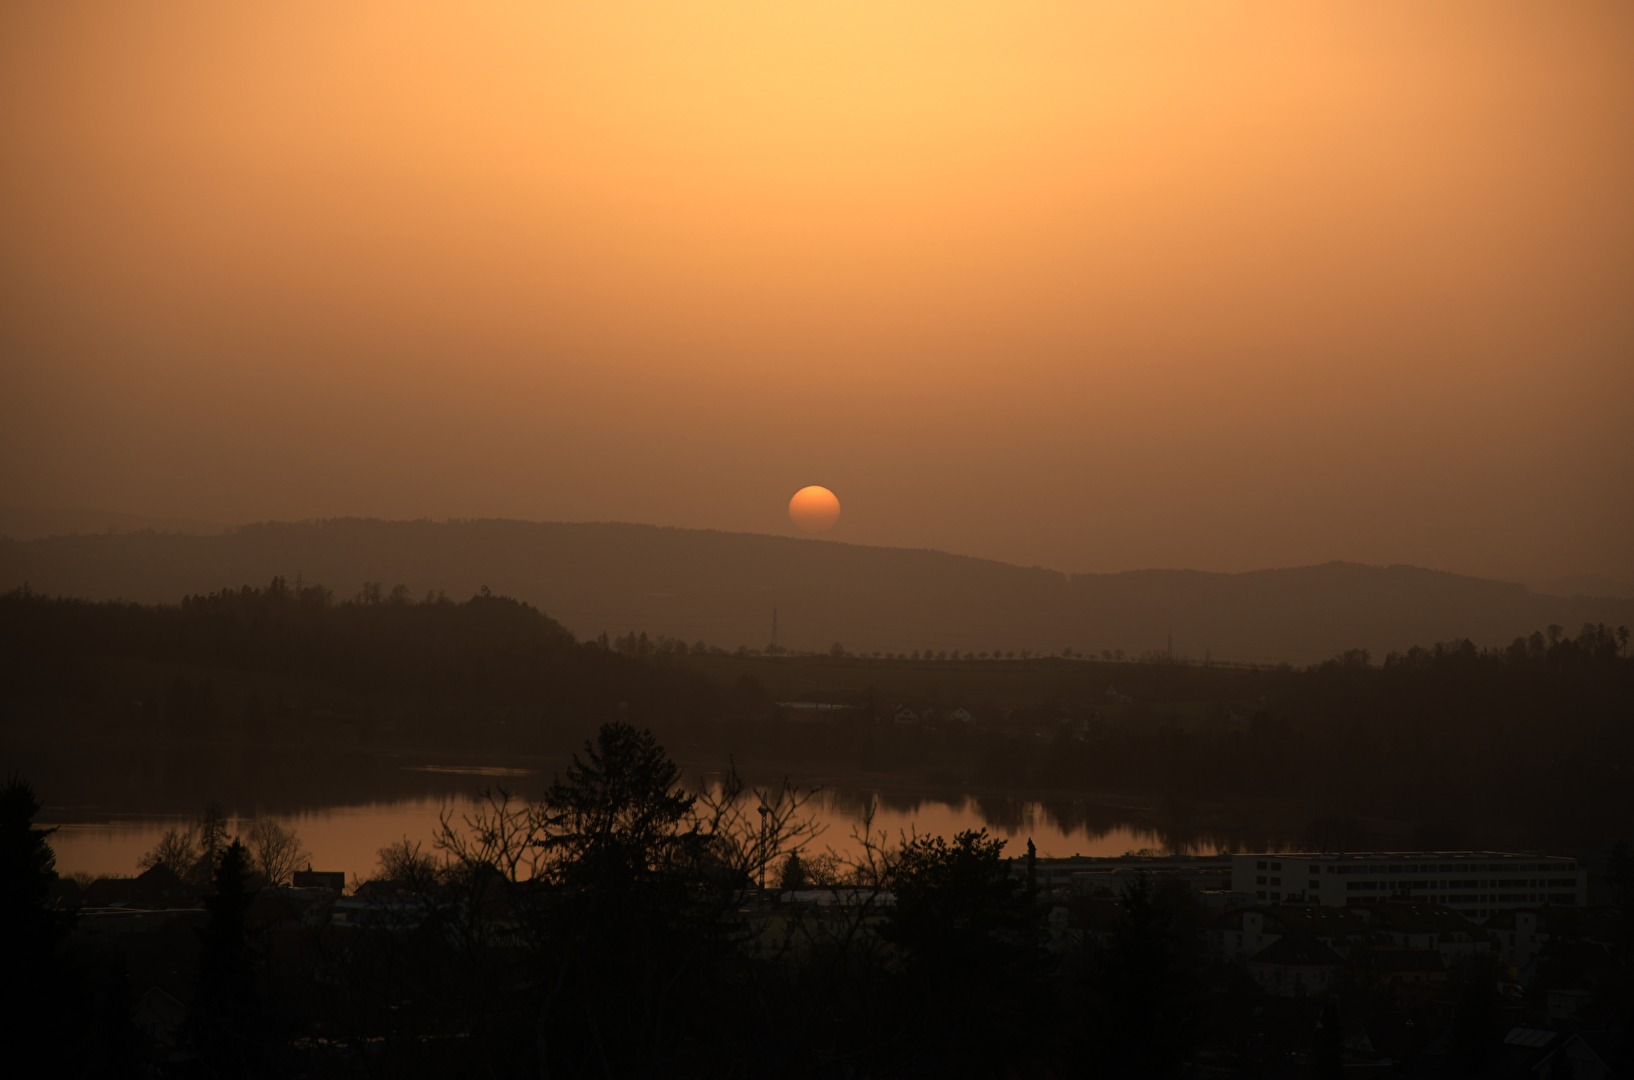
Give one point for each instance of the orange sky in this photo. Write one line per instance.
(1087, 284)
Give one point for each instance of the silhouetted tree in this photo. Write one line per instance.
(615, 818)
(966, 933)
(1328, 1048)
(222, 1020)
(793, 875)
(1477, 1028)
(1146, 987)
(408, 863)
(73, 1007)
(275, 852)
(620, 883)
(177, 849)
(212, 843)
(30, 930)
(1618, 990)
(192, 854)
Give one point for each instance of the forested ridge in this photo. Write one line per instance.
(377, 655)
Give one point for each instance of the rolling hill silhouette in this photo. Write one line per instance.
(722, 587)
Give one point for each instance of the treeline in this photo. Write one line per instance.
(1454, 745)
(1456, 738)
(282, 660)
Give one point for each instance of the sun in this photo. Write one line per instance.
(814, 509)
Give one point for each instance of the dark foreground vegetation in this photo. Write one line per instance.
(623, 927)
(1463, 747)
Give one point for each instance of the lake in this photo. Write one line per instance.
(110, 809)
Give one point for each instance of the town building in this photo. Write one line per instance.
(1476, 884)
(1244, 932)
(1525, 935)
(816, 712)
(1295, 966)
(1091, 874)
(1295, 949)
(333, 880)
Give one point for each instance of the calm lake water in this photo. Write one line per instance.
(348, 837)
(345, 807)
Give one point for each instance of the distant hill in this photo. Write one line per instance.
(1583, 585)
(32, 524)
(722, 588)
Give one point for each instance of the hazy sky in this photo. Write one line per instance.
(1087, 284)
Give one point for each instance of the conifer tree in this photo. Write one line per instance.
(30, 930)
(222, 1020)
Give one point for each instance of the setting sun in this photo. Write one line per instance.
(814, 509)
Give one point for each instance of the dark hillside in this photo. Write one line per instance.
(285, 663)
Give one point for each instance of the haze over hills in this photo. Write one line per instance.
(722, 587)
(33, 523)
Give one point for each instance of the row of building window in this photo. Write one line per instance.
(1454, 883)
(1565, 898)
(1409, 867)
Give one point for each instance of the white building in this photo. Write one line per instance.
(1474, 883)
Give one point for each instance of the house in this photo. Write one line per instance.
(1299, 965)
(1242, 933)
(1406, 925)
(1523, 935)
(1593, 1055)
(64, 893)
(161, 1017)
(810, 712)
(1083, 920)
(155, 888)
(1536, 1052)
(333, 880)
(904, 717)
(1395, 966)
(108, 923)
(289, 905)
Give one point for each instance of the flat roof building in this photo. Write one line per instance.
(1086, 874)
(1474, 883)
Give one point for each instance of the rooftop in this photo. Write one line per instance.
(1297, 950)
